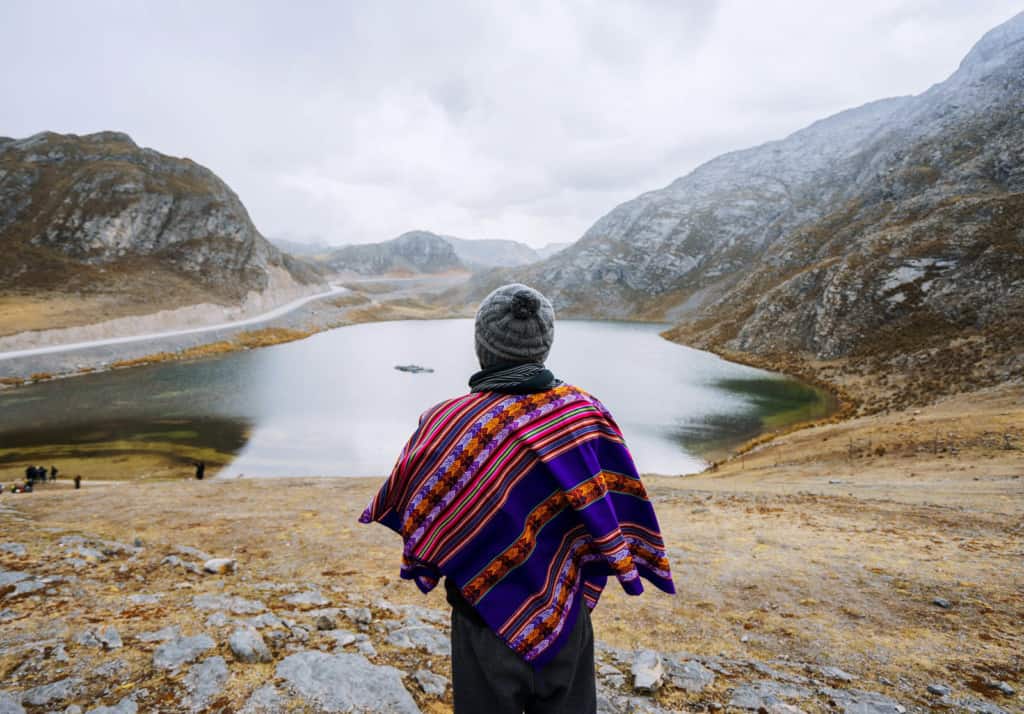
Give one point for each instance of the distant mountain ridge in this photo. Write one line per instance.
(416, 252)
(98, 215)
(894, 227)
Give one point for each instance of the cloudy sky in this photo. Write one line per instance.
(354, 122)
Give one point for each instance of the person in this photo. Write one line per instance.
(27, 488)
(53, 473)
(523, 496)
(200, 469)
(78, 481)
(30, 472)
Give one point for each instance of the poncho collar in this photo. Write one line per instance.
(514, 379)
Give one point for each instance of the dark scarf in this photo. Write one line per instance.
(514, 379)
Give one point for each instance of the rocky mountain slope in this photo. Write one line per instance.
(97, 215)
(891, 229)
(410, 253)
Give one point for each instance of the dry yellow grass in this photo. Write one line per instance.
(243, 341)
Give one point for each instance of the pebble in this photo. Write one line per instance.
(218, 619)
(433, 685)
(247, 645)
(220, 566)
(15, 549)
(765, 694)
(176, 562)
(144, 599)
(323, 622)
(647, 670)
(181, 650)
(205, 681)
(345, 682)
(942, 602)
(343, 638)
(940, 690)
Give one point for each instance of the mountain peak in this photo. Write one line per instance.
(996, 46)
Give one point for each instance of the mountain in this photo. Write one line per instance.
(892, 229)
(490, 253)
(550, 249)
(123, 230)
(305, 249)
(414, 253)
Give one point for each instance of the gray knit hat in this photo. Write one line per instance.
(515, 324)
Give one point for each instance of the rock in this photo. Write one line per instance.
(144, 599)
(25, 587)
(125, 706)
(181, 650)
(265, 700)
(9, 577)
(167, 633)
(300, 633)
(230, 603)
(204, 682)
(344, 637)
(108, 638)
(267, 619)
(345, 682)
(836, 674)
(647, 671)
(366, 649)
(52, 693)
(971, 705)
(942, 602)
(8, 616)
(325, 623)
(854, 701)
(1003, 688)
(690, 675)
(15, 549)
(192, 552)
(113, 670)
(9, 704)
(421, 637)
(358, 615)
(433, 685)
(218, 619)
(765, 694)
(247, 645)
(940, 690)
(310, 598)
(176, 562)
(220, 566)
(71, 709)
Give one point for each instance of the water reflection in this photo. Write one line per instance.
(334, 404)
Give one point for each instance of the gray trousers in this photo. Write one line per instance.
(489, 678)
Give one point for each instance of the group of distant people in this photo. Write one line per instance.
(36, 475)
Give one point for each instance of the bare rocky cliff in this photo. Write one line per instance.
(892, 229)
(96, 215)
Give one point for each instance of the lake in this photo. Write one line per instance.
(335, 405)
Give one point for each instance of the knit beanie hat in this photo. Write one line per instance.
(515, 324)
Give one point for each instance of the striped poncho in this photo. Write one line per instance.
(527, 503)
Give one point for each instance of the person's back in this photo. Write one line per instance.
(524, 497)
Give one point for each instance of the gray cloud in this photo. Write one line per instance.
(354, 122)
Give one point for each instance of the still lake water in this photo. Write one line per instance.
(333, 404)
